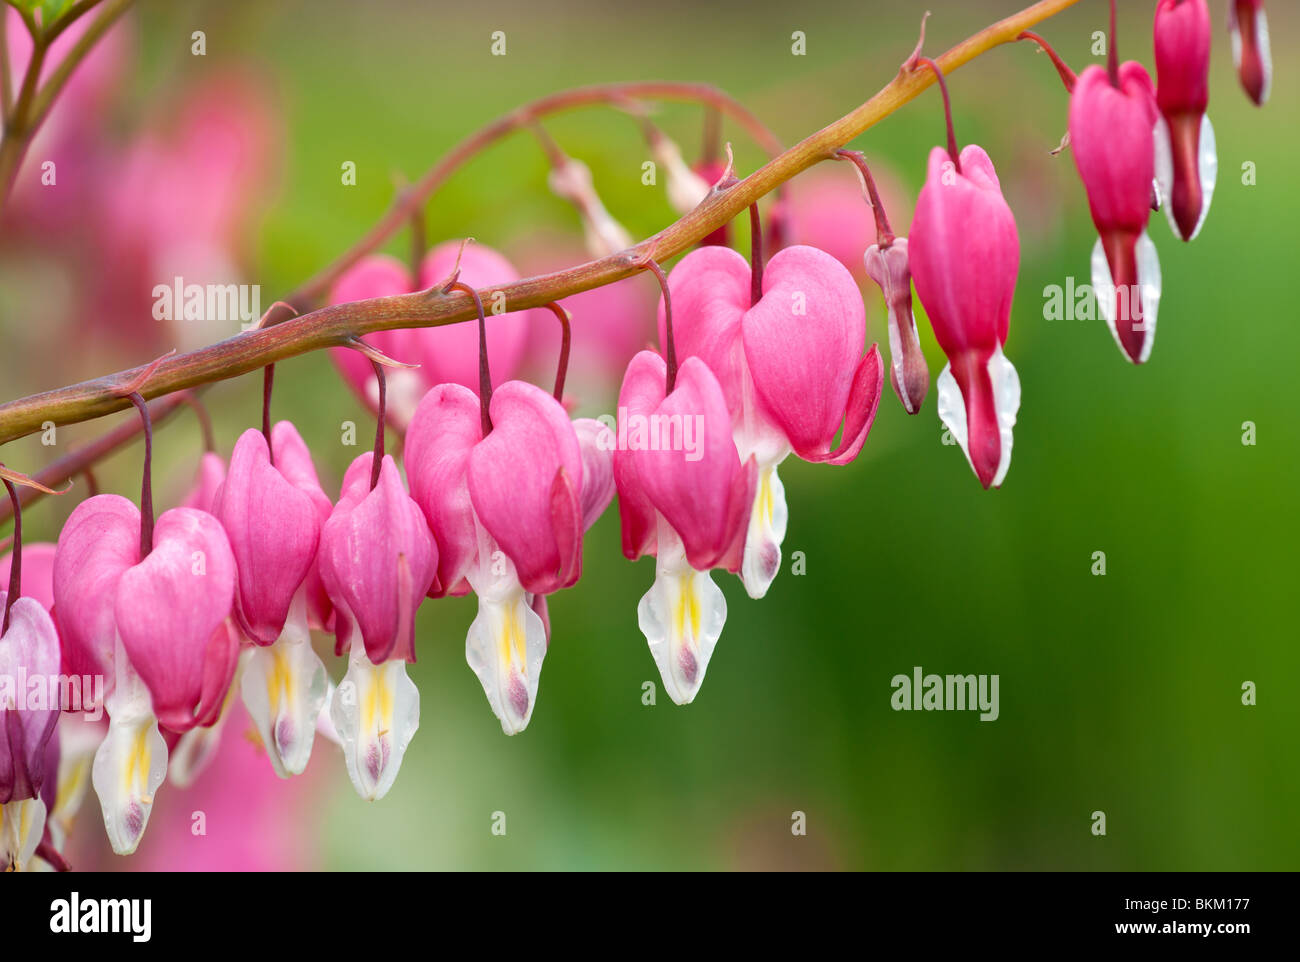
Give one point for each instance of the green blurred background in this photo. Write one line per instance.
(1119, 693)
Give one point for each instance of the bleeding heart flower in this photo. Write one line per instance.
(908, 374)
(29, 660)
(510, 510)
(1113, 144)
(790, 366)
(1251, 54)
(273, 513)
(965, 255)
(157, 627)
(686, 498)
(377, 560)
(1187, 161)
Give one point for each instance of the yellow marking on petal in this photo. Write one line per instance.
(688, 606)
(764, 503)
(277, 681)
(369, 709)
(385, 702)
(136, 772)
(513, 641)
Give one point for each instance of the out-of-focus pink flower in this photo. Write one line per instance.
(826, 211)
(965, 256)
(183, 194)
(251, 820)
(1251, 53)
(445, 354)
(1187, 161)
(207, 481)
(73, 136)
(608, 325)
(38, 572)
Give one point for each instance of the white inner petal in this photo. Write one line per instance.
(1164, 173)
(376, 711)
(196, 748)
(78, 740)
(681, 617)
(1265, 53)
(507, 640)
(131, 762)
(1149, 281)
(1006, 400)
(1208, 171)
(21, 825)
(1208, 164)
(767, 524)
(284, 687)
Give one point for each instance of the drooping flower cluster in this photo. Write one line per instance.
(757, 360)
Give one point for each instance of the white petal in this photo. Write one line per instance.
(131, 762)
(681, 617)
(1261, 44)
(1148, 267)
(195, 749)
(1164, 172)
(78, 741)
(376, 711)
(767, 524)
(505, 647)
(21, 826)
(1208, 163)
(284, 688)
(1208, 171)
(1006, 400)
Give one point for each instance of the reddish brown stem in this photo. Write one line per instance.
(561, 368)
(377, 461)
(755, 256)
(268, 383)
(669, 346)
(484, 373)
(16, 566)
(885, 236)
(947, 110)
(1062, 68)
(146, 479)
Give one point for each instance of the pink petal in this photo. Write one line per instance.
(803, 342)
(596, 443)
(98, 543)
(696, 490)
(170, 605)
(511, 473)
(38, 572)
(32, 645)
(377, 559)
(641, 393)
(711, 292)
(273, 527)
(444, 430)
